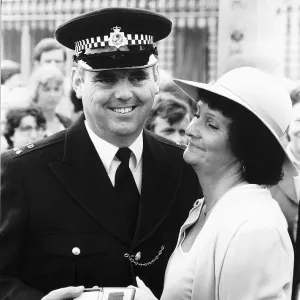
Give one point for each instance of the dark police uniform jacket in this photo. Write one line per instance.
(59, 225)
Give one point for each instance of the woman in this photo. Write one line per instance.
(234, 244)
(46, 89)
(24, 126)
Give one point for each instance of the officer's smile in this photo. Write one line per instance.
(123, 110)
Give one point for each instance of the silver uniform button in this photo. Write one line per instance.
(76, 251)
(29, 146)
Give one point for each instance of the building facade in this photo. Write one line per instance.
(190, 52)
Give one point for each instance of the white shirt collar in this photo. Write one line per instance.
(107, 151)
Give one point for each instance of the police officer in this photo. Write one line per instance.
(103, 201)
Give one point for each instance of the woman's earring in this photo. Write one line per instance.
(244, 168)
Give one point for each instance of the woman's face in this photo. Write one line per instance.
(27, 132)
(208, 143)
(294, 131)
(49, 94)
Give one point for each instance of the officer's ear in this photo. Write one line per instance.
(77, 77)
(156, 78)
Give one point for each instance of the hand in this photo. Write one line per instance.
(64, 293)
(142, 292)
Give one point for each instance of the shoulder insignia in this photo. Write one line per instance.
(17, 150)
(29, 146)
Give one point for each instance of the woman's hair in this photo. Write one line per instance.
(42, 75)
(14, 117)
(251, 141)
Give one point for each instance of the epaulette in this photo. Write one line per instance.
(35, 146)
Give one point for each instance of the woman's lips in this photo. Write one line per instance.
(190, 143)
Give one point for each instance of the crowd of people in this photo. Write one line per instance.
(122, 176)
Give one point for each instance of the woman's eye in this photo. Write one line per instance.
(212, 126)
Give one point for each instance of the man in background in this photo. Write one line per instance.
(49, 51)
(169, 118)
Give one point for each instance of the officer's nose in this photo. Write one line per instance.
(123, 90)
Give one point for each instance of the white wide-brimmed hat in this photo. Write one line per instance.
(258, 92)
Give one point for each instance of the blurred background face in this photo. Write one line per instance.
(27, 132)
(49, 94)
(294, 131)
(174, 132)
(55, 57)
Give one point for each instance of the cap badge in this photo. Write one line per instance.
(117, 38)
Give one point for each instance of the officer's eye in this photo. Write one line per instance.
(137, 78)
(138, 75)
(107, 80)
(105, 77)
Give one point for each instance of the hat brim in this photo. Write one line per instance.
(193, 90)
(121, 60)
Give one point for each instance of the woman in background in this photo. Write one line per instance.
(24, 126)
(46, 89)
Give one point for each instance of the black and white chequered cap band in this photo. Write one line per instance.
(103, 41)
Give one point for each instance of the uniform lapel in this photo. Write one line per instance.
(160, 183)
(85, 179)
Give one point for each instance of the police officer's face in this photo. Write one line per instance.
(117, 102)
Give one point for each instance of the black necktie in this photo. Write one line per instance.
(128, 196)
